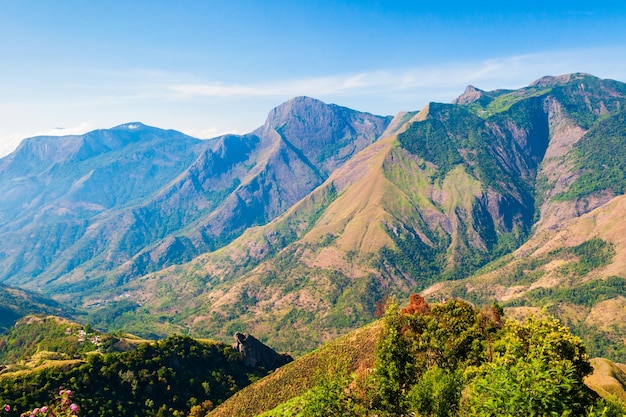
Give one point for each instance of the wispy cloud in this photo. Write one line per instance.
(507, 72)
(83, 127)
(204, 108)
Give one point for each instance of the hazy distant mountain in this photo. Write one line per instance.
(295, 231)
(75, 209)
(58, 195)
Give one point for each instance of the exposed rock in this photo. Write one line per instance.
(255, 353)
(551, 81)
(470, 95)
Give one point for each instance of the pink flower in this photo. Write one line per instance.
(44, 409)
(7, 407)
(74, 408)
(68, 392)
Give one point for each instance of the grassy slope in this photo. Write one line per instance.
(16, 303)
(544, 262)
(355, 351)
(608, 378)
(320, 268)
(280, 394)
(40, 340)
(317, 269)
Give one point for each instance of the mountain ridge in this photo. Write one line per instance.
(386, 206)
(225, 190)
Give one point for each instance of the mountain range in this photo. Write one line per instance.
(297, 231)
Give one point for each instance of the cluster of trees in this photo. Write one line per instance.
(451, 359)
(175, 376)
(50, 334)
(601, 158)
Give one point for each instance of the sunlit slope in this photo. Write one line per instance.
(608, 378)
(388, 221)
(353, 352)
(577, 272)
(448, 190)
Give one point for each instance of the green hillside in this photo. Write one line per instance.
(36, 338)
(512, 195)
(16, 303)
(442, 359)
(352, 352)
(453, 188)
(575, 273)
(175, 376)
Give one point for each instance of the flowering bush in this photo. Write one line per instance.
(63, 407)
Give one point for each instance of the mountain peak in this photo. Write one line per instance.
(296, 105)
(470, 95)
(552, 81)
(302, 100)
(130, 126)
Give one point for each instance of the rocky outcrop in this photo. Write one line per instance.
(255, 353)
(470, 95)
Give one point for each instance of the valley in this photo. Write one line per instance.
(299, 231)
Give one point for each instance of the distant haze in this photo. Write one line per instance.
(206, 69)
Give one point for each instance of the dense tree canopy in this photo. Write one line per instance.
(452, 359)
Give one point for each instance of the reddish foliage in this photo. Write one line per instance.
(381, 306)
(417, 305)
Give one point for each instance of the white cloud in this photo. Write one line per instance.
(10, 140)
(210, 132)
(187, 102)
(506, 72)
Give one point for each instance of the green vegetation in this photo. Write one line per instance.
(502, 101)
(16, 303)
(580, 260)
(452, 135)
(505, 102)
(589, 99)
(601, 160)
(586, 294)
(425, 140)
(606, 343)
(414, 257)
(451, 359)
(351, 353)
(51, 334)
(175, 376)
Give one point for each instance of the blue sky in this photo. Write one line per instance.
(210, 67)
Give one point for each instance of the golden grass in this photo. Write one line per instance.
(15, 371)
(354, 351)
(608, 379)
(608, 314)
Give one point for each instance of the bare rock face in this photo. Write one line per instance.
(255, 353)
(551, 81)
(470, 95)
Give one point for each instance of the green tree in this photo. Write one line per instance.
(331, 397)
(537, 370)
(437, 394)
(395, 366)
